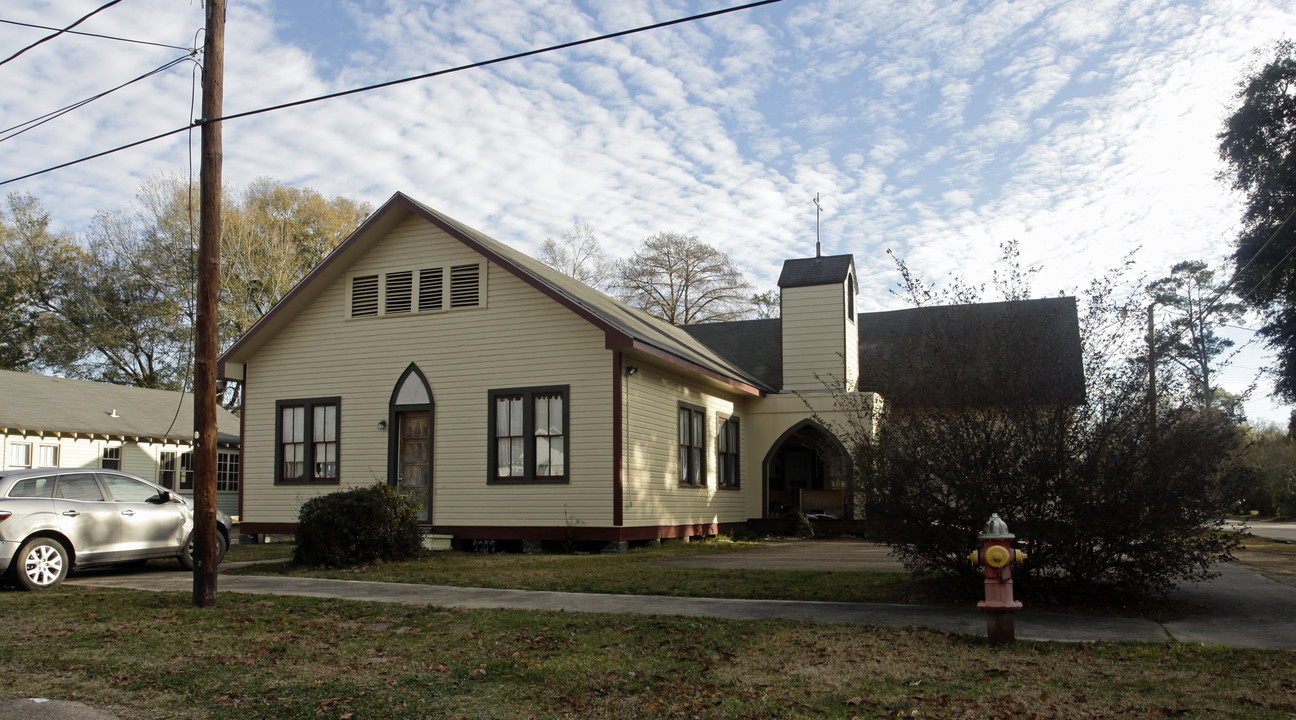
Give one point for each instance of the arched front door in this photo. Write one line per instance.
(808, 470)
(409, 439)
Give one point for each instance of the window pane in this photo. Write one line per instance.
(124, 489)
(49, 456)
(555, 415)
(502, 460)
(37, 487)
(722, 438)
(501, 417)
(557, 459)
(542, 457)
(541, 415)
(20, 455)
(516, 467)
(515, 416)
(697, 466)
(683, 464)
(80, 486)
(683, 427)
(325, 425)
(293, 424)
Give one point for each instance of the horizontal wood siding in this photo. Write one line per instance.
(517, 338)
(814, 337)
(652, 493)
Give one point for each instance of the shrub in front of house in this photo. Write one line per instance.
(357, 526)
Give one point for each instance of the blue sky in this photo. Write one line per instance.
(1083, 130)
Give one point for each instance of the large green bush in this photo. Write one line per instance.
(356, 526)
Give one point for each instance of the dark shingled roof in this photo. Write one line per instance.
(40, 403)
(1005, 353)
(985, 354)
(826, 270)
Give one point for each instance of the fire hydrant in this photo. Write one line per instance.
(997, 558)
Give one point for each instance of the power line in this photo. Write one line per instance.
(55, 114)
(85, 17)
(389, 83)
(95, 35)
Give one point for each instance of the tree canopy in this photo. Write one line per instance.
(578, 254)
(1258, 147)
(683, 281)
(117, 304)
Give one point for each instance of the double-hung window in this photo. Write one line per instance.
(308, 440)
(692, 445)
(111, 459)
(727, 469)
(528, 435)
(167, 469)
(226, 472)
(187, 470)
(20, 455)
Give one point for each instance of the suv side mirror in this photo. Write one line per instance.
(163, 497)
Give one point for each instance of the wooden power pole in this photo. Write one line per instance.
(206, 342)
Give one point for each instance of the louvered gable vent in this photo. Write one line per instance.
(430, 289)
(364, 296)
(400, 292)
(465, 286)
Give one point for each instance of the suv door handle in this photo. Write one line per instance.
(128, 512)
(70, 513)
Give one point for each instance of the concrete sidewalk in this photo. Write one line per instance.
(1246, 609)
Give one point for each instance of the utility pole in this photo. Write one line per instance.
(206, 341)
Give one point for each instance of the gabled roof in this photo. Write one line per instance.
(40, 403)
(823, 270)
(624, 327)
(985, 354)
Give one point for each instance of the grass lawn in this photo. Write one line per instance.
(152, 655)
(629, 573)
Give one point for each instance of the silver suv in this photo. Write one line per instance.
(54, 520)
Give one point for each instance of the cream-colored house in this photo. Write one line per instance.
(518, 404)
(57, 422)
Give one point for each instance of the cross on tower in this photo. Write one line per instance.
(818, 212)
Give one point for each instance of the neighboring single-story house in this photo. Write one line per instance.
(516, 403)
(56, 422)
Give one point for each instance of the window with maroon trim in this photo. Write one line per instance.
(727, 463)
(528, 435)
(692, 445)
(308, 444)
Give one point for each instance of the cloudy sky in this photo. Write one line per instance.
(1083, 129)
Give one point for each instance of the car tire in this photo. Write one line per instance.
(186, 556)
(41, 564)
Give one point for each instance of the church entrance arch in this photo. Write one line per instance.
(808, 470)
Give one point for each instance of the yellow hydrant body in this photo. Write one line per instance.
(996, 558)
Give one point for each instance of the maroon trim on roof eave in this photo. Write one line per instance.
(674, 359)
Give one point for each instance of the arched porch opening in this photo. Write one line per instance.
(808, 470)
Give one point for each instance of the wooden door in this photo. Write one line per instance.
(414, 460)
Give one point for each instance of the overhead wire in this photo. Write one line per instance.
(47, 38)
(390, 83)
(55, 114)
(93, 35)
